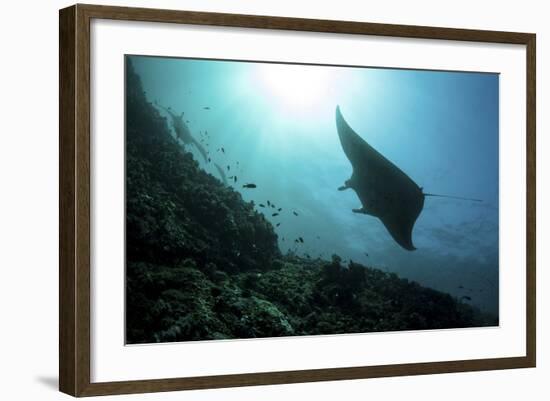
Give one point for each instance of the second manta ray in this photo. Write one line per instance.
(384, 190)
(182, 131)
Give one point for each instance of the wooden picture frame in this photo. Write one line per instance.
(74, 200)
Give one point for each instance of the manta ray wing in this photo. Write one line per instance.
(384, 190)
(400, 227)
(354, 146)
(221, 172)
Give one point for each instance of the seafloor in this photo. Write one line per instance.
(203, 264)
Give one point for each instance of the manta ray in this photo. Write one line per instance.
(383, 189)
(182, 131)
(221, 173)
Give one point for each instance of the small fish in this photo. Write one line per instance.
(283, 238)
(206, 108)
(295, 214)
(268, 203)
(278, 224)
(301, 239)
(273, 205)
(261, 205)
(235, 179)
(228, 168)
(280, 209)
(296, 241)
(249, 186)
(223, 150)
(209, 160)
(466, 297)
(275, 214)
(460, 287)
(307, 255)
(366, 254)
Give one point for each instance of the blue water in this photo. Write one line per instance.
(278, 123)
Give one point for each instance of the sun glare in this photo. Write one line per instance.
(297, 88)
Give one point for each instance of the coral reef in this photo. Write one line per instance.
(203, 264)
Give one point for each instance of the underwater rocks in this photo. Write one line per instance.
(176, 210)
(203, 264)
(185, 303)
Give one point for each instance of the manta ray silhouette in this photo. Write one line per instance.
(221, 173)
(384, 190)
(183, 133)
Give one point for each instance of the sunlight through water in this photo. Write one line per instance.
(298, 89)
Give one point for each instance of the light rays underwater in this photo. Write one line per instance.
(273, 125)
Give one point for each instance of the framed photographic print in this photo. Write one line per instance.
(251, 200)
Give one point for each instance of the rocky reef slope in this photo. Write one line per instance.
(203, 264)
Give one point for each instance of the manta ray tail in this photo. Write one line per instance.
(454, 197)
